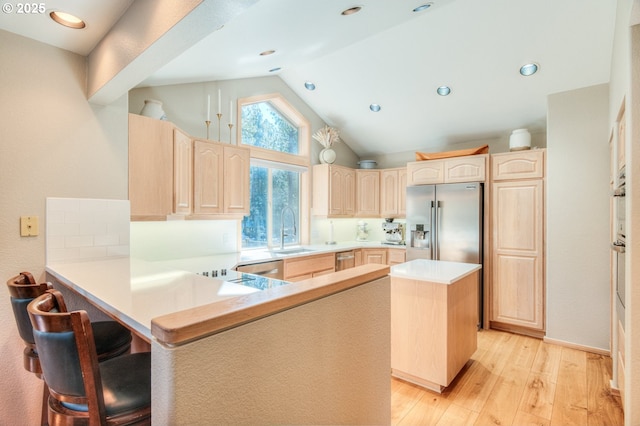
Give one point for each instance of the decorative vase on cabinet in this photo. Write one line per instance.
(327, 156)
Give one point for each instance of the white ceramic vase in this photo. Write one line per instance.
(327, 156)
(519, 140)
(153, 108)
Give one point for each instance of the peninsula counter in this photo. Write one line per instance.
(315, 351)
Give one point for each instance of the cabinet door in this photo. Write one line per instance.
(374, 256)
(518, 165)
(389, 189)
(182, 172)
(518, 281)
(368, 193)
(622, 134)
(402, 192)
(349, 192)
(425, 172)
(396, 256)
(236, 180)
(150, 168)
(337, 190)
(465, 169)
(207, 178)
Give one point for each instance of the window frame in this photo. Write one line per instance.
(302, 159)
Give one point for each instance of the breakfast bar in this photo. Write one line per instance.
(434, 312)
(314, 351)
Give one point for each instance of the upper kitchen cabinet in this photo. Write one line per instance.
(367, 193)
(220, 179)
(182, 172)
(518, 165)
(393, 192)
(470, 168)
(517, 242)
(153, 157)
(334, 191)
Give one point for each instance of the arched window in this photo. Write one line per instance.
(278, 136)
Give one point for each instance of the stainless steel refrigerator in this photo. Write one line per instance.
(444, 222)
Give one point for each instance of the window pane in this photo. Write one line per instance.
(254, 226)
(286, 193)
(264, 127)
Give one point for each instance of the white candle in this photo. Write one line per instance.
(230, 112)
(218, 101)
(208, 107)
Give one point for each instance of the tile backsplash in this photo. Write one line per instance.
(79, 229)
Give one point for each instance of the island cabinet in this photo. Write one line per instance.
(159, 169)
(517, 244)
(470, 168)
(393, 192)
(434, 315)
(220, 179)
(334, 191)
(367, 193)
(304, 267)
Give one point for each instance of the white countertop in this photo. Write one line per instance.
(437, 271)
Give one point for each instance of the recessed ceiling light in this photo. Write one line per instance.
(309, 85)
(529, 69)
(375, 107)
(275, 69)
(351, 10)
(423, 7)
(67, 20)
(443, 90)
(267, 52)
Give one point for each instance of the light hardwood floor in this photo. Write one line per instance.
(515, 380)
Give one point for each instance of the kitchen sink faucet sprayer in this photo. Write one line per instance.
(282, 233)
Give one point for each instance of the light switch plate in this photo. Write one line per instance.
(28, 226)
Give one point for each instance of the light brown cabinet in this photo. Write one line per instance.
(221, 179)
(374, 255)
(182, 172)
(517, 285)
(154, 160)
(301, 268)
(393, 192)
(396, 256)
(367, 193)
(334, 191)
(470, 168)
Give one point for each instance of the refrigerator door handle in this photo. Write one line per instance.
(431, 230)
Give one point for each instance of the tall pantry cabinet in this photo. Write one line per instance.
(517, 242)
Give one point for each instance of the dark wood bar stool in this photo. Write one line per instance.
(112, 339)
(81, 390)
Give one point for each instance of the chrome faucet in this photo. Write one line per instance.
(282, 233)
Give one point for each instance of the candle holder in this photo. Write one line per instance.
(230, 127)
(207, 123)
(219, 115)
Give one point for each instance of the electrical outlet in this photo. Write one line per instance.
(28, 226)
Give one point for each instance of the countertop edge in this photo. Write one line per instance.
(450, 279)
(181, 327)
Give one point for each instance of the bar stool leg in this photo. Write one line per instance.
(44, 416)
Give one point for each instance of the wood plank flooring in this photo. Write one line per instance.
(516, 380)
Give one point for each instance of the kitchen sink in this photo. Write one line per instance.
(290, 250)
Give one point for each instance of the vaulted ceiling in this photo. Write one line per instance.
(389, 55)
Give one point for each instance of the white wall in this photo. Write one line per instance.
(186, 107)
(53, 143)
(578, 217)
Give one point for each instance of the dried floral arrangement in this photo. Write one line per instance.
(327, 136)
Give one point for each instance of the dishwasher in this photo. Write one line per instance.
(345, 260)
(270, 269)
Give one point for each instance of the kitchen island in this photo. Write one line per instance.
(315, 351)
(434, 313)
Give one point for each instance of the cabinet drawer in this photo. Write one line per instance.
(518, 165)
(308, 265)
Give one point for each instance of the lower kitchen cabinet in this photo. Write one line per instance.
(374, 255)
(396, 256)
(301, 268)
